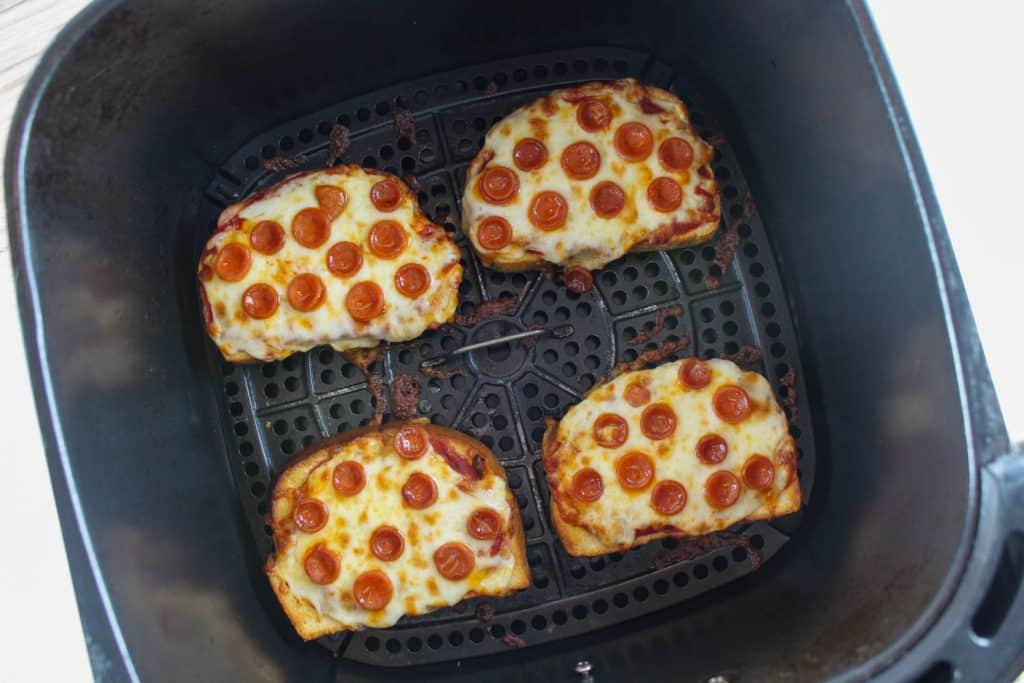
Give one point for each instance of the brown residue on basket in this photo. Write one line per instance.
(405, 127)
(490, 88)
(438, 373)
(650, 357)
(530, 342)
(716, 139)
(726, 243)
(412, 181)
(338, 144)
(284, 163)
(484, 612)
(487, 309)
(644, 336)
(405, 397)
(789, 400)
(513, 642)
(364, 359)
(690, 548)
(747, 354)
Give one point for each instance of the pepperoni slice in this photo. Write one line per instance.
(498, 185)
(548, 210)
(593, 115)
(694, 373)
(267, 237)
(712, 449)
(635, 471)
(494, 233)
(529, 154)
(331, 199)
(634, 141)
(664, 194)
(758, 472)
(607, 199)
(412, 279)
(611, 430)
(675, 154)
(387, 239)
(233, 262)
(311, 228)
(578, 279)
(668, 497)
(454, 561)
(658, 421)
(310, 515)
(348, 478)
(321, 565)
(587, 485)
(386, 195)
(484, 524)
(344, 259)
(259, 301)
(581, 160)
(411, 442)
(306, 292)
(386, 543)
(636, 394)
(365, 301)
(731, 403)
(722, 489)
(373, 590)
(419, 491)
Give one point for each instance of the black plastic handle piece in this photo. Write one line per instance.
(980, 635)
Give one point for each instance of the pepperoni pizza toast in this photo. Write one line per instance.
(380, 523)
(342, 256)
(584, 175)
(684, 449)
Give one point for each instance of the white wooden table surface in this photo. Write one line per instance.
(958, 67)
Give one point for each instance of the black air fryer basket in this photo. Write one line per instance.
(145, 119)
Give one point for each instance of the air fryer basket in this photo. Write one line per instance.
(145, 119)
(507, 390)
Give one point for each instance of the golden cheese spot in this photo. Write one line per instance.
(220, 309)
(431, 518)
(343, 538)
(539, 128)
(432, 586)
(419, 562)
(383, 481)
(409, 603)
(363, 517)
(506, 129)
(453, 494)
(413, 533)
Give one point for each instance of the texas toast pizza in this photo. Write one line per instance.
(342, 256)
(380, 523)
(684, 449)
(586, 174)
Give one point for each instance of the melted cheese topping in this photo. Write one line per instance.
(618, 514)
(418, 586)
(287, 330)
(586, 239)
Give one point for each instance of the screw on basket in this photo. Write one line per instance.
(720, 678)
(559, 332)
(584, 668)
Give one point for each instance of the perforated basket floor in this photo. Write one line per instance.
(273, 410)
